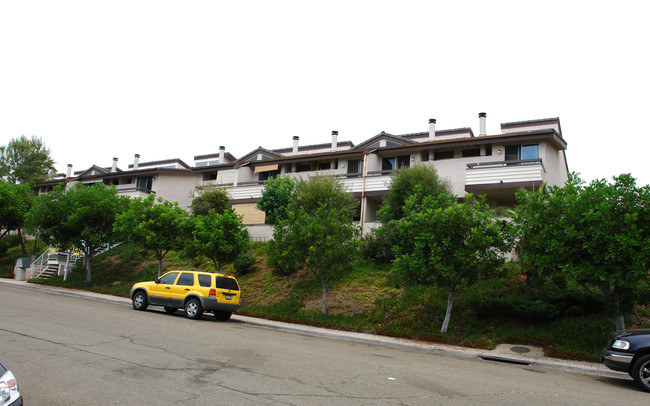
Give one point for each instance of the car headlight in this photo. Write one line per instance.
(8, 384)
(621, 345)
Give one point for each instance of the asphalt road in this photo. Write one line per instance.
(75, 351)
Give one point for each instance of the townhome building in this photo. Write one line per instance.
(170, 179)
(525, 154)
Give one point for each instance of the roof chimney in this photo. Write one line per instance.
(481, 119)
(432, 129)
(114, 168)
(222, 152)
(69, 170)
(136, 161)
(335, 137)
(295, 144)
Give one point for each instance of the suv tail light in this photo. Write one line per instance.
(213, 293)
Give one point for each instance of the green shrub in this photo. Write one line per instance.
(3, 248)
(378, 244)
(244, 263)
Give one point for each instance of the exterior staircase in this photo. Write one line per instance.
(56, 262)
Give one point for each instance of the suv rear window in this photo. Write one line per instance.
(204, 280)
(227, 283)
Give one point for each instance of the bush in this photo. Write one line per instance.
(244, 263)
(552, 304)
(3, 247)
(378, 245)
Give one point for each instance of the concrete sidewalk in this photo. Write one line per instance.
(507, 353)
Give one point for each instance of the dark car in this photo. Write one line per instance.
(629, 351)
(9, 395)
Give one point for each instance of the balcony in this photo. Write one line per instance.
(498, 180)
(377, 183)
(133, 191)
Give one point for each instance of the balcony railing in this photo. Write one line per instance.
(519, 172)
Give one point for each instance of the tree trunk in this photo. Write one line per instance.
(620, 322)
(324, 307)
(450, 305)
(22, 242)
(89, 263)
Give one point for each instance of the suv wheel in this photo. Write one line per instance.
(641, 372)
(193, 309)
(139, 301)
(222, 316)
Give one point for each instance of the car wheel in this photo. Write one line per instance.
(222, 316)
(641, 372)
(139, 301)
(193, 309)
(170, 309)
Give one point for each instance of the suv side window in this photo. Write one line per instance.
(186, 279)
(169, 278)
(204, 280)
(227, 283)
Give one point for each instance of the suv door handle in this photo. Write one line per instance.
(187, 289)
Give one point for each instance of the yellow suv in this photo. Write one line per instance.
(196, 292)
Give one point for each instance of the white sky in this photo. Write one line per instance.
(175, 79)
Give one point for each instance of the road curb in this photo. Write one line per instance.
(464, 352)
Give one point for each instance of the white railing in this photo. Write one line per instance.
(52, 257)
(504, 172)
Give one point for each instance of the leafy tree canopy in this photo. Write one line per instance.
(319, 232)
(597, 235)
(275, 199)
(448, 244)
(80, 217)
(214, 199)
(403, 184)
(155, 225)
(15, 201)
(221, 238)
(25, 160)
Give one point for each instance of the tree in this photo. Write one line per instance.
(403, 184)
(319, 232)
(156, 226)
(25, 160)
(448, 244)
(276, 197)
(214, 199)
(15, 201)
(81, 217)
(597, 235)
(220, 237)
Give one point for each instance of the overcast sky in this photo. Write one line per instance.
(175, 79)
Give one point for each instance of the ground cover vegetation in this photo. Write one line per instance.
(583, 257)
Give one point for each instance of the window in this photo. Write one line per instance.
(323, 166)
(169, 278)
(521, 152)
(389, 164)
(303, 167)
(471, 152)
(209, 176)
(227, 283)
(204, 280)
(186, 279)
(268, 175)
(425, 156)
(354, 167)
(144, 182)
(439, 155)
(488, 150)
